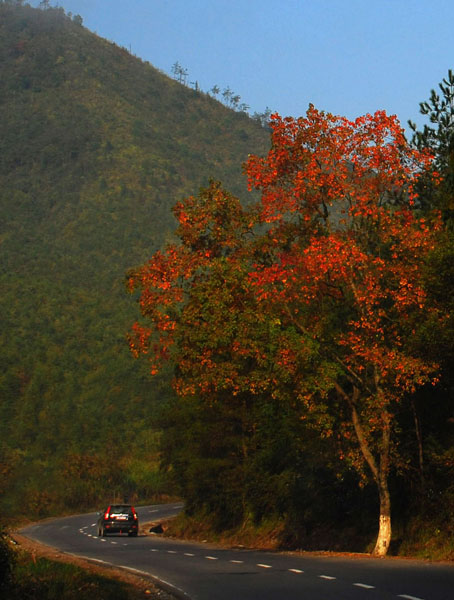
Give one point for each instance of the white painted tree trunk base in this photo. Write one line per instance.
(384, 536)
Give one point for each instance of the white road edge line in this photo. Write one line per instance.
(365, 586)
(147, 574)
(154, 577)
(409, 597)
(98, 560)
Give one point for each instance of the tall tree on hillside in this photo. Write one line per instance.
(330, 286)
(438, 340)
(345, 277)
(215, 90)
(227, 95)
(438, 137)
(180, 73)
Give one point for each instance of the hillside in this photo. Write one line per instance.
(95, 148)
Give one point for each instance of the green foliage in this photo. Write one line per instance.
(234, 454)
(35, 579)
(6, 564)
(96, 146)
(438, 138)
(235, 464)
(434, 337)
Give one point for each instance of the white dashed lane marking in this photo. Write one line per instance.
(364, 586)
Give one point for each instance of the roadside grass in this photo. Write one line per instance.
(267, 535)
(270, 534)
(420, 539)
(429, 541)
(34, 578)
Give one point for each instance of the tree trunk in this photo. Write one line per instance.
(420, 447)
(380, 473)
(384, 528)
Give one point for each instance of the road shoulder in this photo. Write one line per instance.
(144, 586)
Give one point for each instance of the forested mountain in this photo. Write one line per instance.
(285, 417)
(96, 146)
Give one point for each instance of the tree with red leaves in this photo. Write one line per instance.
(345, 276)
(316, 288)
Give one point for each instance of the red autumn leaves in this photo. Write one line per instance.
(334, 226)
(311, 294)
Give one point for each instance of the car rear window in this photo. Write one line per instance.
(120, 508)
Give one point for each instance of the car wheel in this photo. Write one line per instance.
(99, 531)
(133, 534)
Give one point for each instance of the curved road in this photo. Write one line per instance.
(207, 572)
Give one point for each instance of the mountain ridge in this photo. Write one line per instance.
(95, 148)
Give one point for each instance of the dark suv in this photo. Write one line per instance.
(118, 518)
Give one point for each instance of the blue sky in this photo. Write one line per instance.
(348, 57)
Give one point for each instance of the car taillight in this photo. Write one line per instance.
(106, 514)
(134, 514)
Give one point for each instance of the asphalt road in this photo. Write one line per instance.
(206, 572)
